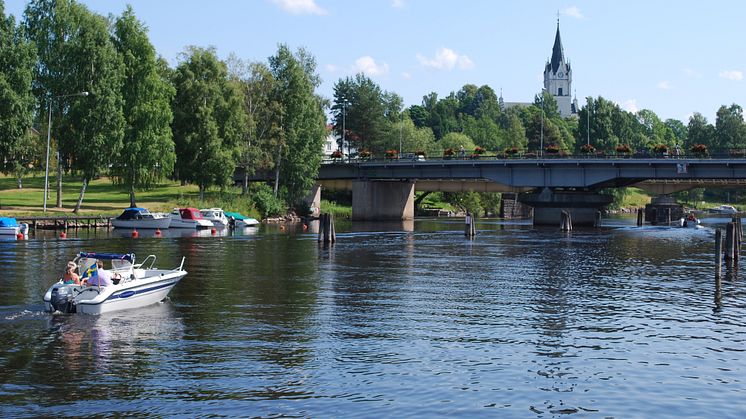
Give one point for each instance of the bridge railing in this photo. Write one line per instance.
(639, 154)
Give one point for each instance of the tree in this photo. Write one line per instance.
(77, 55)
(17, 57)
(209, 122)
(699, 132)
(360, 106)
(730, 129)
(148, 151)
(303, 125)
(262, 116)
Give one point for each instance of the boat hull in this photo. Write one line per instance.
(132, 294)
(159, 223)
(181, 223)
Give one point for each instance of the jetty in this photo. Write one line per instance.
(66, 222)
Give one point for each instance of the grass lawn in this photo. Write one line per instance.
(101, 197)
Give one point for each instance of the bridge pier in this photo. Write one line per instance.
(380, 201)
(313, 199)
(582, 206)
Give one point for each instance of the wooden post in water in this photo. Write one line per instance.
(668, 216)
(469, 229)
(729, 242)
(640, 217)
(718, 265)
(597, 222)
(565, 221)
(327, 233)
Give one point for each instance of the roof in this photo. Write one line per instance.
(108, 256)
(558, 54)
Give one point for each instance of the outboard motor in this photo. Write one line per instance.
(62, 299)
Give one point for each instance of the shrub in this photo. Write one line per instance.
(623, 148)
(364, 154)
(392, 154)
(587, 149)
(511, 150)
(478, 150)
(699, 149)
(552, 148)
(266, 202)
(337, 154)
(660, 148)
(448, 152)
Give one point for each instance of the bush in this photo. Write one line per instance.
(266, 202)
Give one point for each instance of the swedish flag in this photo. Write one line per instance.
(91, 272)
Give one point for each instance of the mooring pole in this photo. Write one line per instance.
(718, 266)
(639, 217)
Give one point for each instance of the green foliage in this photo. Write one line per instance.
(209, 123)
(303, 123)
(457, 141)
(361, 107)
(148, 153)
(265, 200)
(17, 57)
(730, 128)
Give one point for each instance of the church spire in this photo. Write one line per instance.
(558, 53)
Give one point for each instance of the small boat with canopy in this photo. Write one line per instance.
(134, 285)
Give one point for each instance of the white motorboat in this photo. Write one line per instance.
(135, 217)
(135, 285)
(237, 220)
(723, 209)
(10, 227)
(689, 221)
(216, 215)
(188, 218)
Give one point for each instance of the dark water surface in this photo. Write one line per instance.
(521, 322)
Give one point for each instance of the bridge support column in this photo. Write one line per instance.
(313, 199)
(379, 201)
(548, 206)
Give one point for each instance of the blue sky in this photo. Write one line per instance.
(673, 57)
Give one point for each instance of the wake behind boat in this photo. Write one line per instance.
(134, 285)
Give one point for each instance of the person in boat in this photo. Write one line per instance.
(70, 276)
(99, 276)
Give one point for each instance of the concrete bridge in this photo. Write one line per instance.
(384, 189)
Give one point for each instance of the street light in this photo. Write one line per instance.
(541, 145)
(49, 137)
(344, 111)
(588, 119)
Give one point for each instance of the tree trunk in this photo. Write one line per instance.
(20, 182)
(201, 192)
(277, 170)
(82, 193)
(132, 190)
(245, 186)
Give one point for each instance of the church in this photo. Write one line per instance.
(557, 81)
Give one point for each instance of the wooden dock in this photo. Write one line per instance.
(66, 222)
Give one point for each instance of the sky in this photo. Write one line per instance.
(672, 57)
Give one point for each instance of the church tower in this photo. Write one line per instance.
(558, 78)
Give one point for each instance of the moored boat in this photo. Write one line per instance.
(10, 227)
(237, 220)
(723, 209)
(188, 218)
(216, 215)
(134, 285)
(135, 217)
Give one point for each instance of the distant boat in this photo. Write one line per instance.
(188, 218)
(723, 209)
(689, 221)
(216, 215)
(10, 227)
(237, 220)
(135, 217)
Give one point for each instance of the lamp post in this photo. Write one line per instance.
(344, 111)
(49, 137)
(588, 120)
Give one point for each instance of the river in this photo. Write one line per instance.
(394, 320)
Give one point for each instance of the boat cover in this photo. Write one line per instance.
(190, 214)
(131, 213)
(8, 222)
(109, 256)
(235, 215)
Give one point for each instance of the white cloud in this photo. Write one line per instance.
(630, 105)
(398, 4)
(367, 65)
(406, 76)
(731, 75)
(300, 7)
(446, 59)
(572, 11)
(664, 85)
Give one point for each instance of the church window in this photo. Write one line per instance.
(560, 92)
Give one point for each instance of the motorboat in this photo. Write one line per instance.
(723, 209)
(135, 217)
(10, 227)
(134, 285)
(689, 221)
(188, 218)
(216, 215)
(237, 220)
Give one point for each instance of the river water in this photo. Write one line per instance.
(395, 320)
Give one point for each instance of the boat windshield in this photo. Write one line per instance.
(190, 214)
